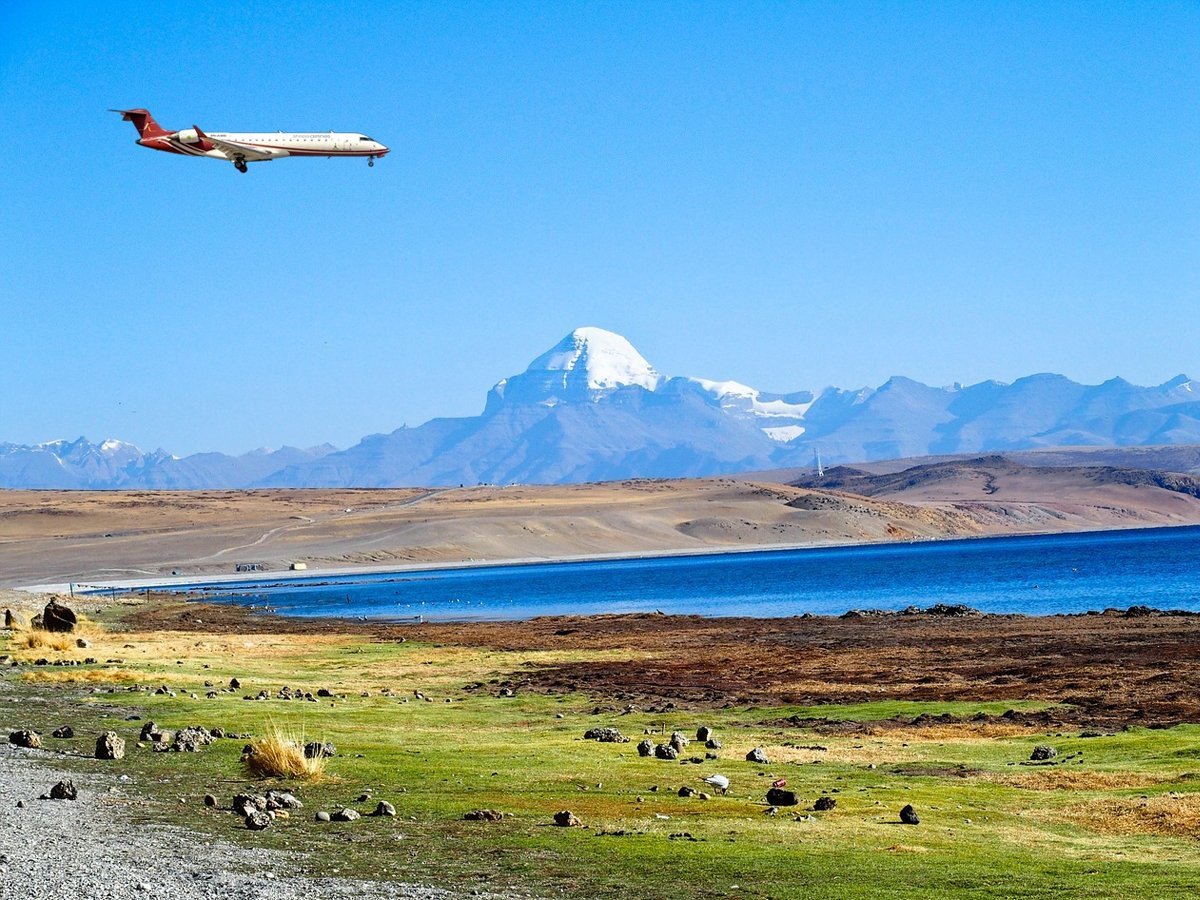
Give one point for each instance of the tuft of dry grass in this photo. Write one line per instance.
(45, 640)
(281, 755)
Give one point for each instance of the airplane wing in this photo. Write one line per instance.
(233, 150)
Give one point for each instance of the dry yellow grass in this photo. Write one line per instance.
(1172, 815)
(281, 755)
(81, 676)
(1075, 780)
(44, 640)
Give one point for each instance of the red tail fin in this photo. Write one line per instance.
(142, 121)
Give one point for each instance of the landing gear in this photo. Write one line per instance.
(370, 160)
(240, 165)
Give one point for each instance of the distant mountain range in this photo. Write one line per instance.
(592, 408)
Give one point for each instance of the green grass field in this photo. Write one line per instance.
(1114, 816)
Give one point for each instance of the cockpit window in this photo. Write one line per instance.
(372, 140)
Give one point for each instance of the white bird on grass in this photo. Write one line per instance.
(720, 782)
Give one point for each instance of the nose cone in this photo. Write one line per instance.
(383, 151)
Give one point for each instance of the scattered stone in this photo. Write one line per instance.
(64, 790)
(217, 732)
(258, 820)
(322, 816)
(56, 617)
(110, 745)
(364, 796)
(317, 749)
(771, 811)
(14, 620)
(908, 815)
(210, 800)
(324, 692)
(686, 791)
(234, 684)
(666, 751)
(151, 732)
(824, 804)
(65, 732)
(191, 739)
(703, 733)
(82, 643)
(605, 736)
(26, 738)
(384, 809)
(346, 815)
(566, 819)
(245, 804)
(781, 797)
(645, 747)
(484, 815)
(757, 755)
(1043, 752)
(279, 800)
(704, 796)
(712, 744)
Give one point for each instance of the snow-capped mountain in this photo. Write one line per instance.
(593, 408)
(82, 465)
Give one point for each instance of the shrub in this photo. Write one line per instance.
(281, 755)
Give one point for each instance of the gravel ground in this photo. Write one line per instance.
(82, 850)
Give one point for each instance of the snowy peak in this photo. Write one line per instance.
(587, 365)
(596, 360)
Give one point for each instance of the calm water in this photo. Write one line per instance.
(1033, 575)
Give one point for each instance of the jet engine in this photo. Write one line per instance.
(187, 136)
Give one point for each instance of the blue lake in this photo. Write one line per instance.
(1034, 575)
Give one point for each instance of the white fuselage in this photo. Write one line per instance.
(278, 144)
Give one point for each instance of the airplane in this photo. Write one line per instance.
(242, 148)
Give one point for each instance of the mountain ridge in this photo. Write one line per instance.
(592, 408)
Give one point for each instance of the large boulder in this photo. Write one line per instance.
(282, 800)
(26, 738)
(257, 820)
(758, 755)
(908, 815)
(1043, 752)
(605, 735)
(566, 819)
(110, 745)
(56, 617)
(666, 751)
(64, 790)
(318, 749)
(781, 797)
(191, 739)
(645, 747)
(247, 804)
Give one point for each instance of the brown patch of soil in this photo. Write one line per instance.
(1110, 670)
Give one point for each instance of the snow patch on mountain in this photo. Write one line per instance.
(598, 360)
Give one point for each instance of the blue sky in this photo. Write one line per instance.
(789, 195)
